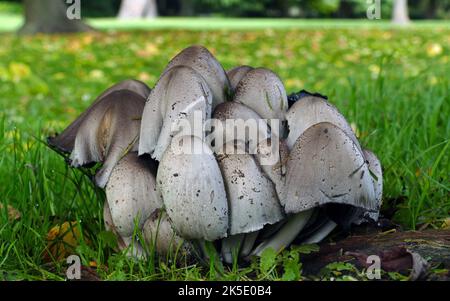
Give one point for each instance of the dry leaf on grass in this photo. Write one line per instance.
(62, 241)
(13, 213)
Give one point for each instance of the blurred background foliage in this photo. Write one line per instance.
(418, 9)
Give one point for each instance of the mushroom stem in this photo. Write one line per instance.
(286, 234)
(206, 249)
(321, 233)
(269, 230)
(248, 243)
(231, 246)
(134, 248)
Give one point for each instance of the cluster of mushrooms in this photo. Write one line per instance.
(233, 200)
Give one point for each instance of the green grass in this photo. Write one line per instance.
(393, 84)
(11, 22)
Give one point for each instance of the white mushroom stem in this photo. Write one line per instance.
(134, 248)
(206, 249)
(321, 233)
(231, 246)
(248, 243)
(286, 234)
(270, 230)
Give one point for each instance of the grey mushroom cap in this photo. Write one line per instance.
(252, 198)
(238, 112)
(325, 166)
(107, 132)
(201, 60)
(272, 159)
(109, 225)
(311, 110)
(178, 95)
(159, 235)
(377, 179)
(236, 74)
(262, 91)
(131, 193)
(133, 85)
(107, 218)
(193, 190)
(65, 141)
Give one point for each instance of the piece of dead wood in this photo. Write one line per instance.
(409, 252)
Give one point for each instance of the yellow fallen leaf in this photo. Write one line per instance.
(96, 74)
(62, 241)
(374, 70)
(355, 129)
(87, 39)
(92, 264)
(144, 76)
(434, 49)
(19, 71)
(149, 50)
(446, 223)
(13, 213)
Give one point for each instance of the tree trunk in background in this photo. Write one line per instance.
(135, 9)
(49, 16)
(284, 7)
(431, 9)
(151, 9)
(400, 12)
(187, 8)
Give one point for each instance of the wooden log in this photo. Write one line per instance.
(393, 247)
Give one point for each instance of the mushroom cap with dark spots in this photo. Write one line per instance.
(201, 60)
(252, 198)
(325, 166)
(195, 199)
(179, 93)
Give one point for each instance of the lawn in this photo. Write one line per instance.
(392, 84)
